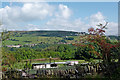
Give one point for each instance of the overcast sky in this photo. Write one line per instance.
(70, 16)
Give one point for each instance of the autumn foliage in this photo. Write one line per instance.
(97, 37)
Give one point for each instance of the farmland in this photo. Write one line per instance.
(46, 37)
(43, 44)
(23, 48)
(33, 38)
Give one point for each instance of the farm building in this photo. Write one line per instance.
(43, 65)
(71, 62)
(52, 65)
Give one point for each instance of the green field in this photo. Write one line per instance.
(33, 40)
(46, 37)
(20, 65)
(56, 44)
(41, 37)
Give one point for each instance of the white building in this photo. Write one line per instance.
(17, 46)
(44, 65)
(71, 62)
(52, 65)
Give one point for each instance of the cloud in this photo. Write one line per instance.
(75, 25)
(64, 12)
(97, 18)
(13, 16)
(36, 11)
(31, 27)
(59, 18)
(112, 28)
(81, 26)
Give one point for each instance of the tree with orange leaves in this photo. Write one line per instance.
(96, 37)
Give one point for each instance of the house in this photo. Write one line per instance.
(52, 65)
(44, 65)
(71, 63)
(17, 46)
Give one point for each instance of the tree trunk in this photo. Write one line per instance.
(119, 59)
(108, 59)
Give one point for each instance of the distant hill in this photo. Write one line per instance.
(46, 33)
(43, 37)
(46, 37)
(112, 37)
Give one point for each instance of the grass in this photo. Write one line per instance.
(47, 61)
(34, 40)
(38, 39)
(20, 65)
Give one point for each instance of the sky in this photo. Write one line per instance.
(68, 16)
